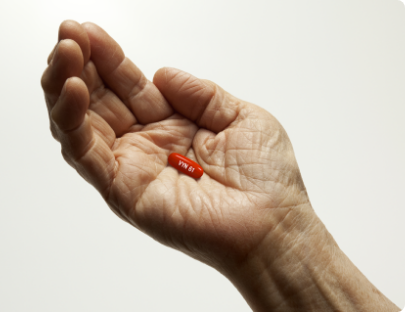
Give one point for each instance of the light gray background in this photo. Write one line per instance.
(333, 73)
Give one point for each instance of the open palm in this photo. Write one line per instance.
(117, 129)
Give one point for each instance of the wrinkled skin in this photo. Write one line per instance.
(117, 130)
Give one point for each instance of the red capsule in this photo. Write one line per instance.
(185, 165)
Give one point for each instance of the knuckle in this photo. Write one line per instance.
(67, 158)
(45, 80)
(54, 132)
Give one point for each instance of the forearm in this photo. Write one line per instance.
(305, 271)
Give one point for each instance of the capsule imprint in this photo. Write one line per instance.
(185, 165)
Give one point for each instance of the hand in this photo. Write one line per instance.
(249, 215)
(117, 129)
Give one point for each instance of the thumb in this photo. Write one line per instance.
(201, 101)
(213, 110)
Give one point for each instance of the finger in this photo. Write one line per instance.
(50, 57)
(125, 79)
(72, 105)
(105, 103)
(67, 62)
(70, 116)
(73, 30)
(82, 147)
(67, 30)
(201, 101)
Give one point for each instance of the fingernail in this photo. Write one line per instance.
(55, 52)
(63, 91)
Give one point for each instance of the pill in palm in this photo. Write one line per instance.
(185, 165)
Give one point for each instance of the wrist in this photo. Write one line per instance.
(299, 267)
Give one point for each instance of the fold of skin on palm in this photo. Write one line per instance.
(117, 129)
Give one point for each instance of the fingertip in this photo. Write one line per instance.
(70, 52)
(179, 87)
(165, 75)
(106, 53)
(67, 44)
(159, 76)
(71, 107)
(67, 61)
(51, 55)
(65, 26)
(91, 28)
(70, 29)
(87, 25)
